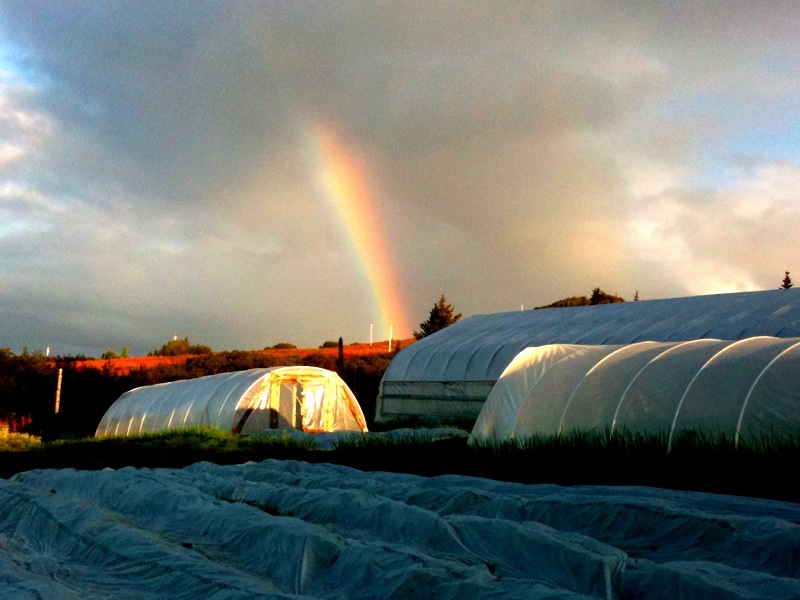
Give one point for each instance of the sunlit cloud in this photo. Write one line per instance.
(9, 153)
(732, 239)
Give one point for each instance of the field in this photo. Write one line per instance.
(718, 467)
(123, 366)
(283, 528)
(407, 513)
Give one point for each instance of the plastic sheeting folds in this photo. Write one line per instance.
(296, 530)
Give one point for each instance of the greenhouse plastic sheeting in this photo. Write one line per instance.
(470, 355)
(307, 398)
(737, 388)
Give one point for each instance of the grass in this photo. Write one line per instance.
(176, 448)
(412, 422)
(760, 467)
(18, 442)
(365, 443)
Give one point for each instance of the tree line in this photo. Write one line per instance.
(598, 296)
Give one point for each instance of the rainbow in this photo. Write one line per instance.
(344, 182)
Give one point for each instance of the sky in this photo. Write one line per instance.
(248, 173)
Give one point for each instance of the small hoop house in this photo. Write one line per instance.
(307, 398)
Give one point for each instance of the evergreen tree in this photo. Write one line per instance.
(441, 316)
(601, 297)
(787, 282)
(636, 296)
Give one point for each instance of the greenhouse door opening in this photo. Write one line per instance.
(299, 406)
(290, 412)
(288, 402)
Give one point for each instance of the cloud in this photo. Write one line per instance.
(733, 239)
(157, 170)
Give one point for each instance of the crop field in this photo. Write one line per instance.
(399, 514)
(283, 528)
(760, 470)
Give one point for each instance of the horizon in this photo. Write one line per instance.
(402, 341)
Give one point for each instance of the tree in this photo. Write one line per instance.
(598, 297)
(441, 316)
(282, 346)
(787, 282)
(636, 296)
(601, 297)
(176, 347)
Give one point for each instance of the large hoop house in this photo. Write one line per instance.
(306, 398)
(740, 389)
(450, 373)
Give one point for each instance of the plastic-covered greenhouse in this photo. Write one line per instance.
(450, 373)
(307, 398)
(740, 389)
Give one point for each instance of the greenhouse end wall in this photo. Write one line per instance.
(307, 398)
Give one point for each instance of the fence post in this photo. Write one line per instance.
(58, 391)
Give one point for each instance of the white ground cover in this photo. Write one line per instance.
(284, 529)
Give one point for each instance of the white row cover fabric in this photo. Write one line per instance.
(307, 398)
(738, 388)
(283, 529)
(450, 373)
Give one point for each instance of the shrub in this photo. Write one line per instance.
(176, 347)
(318, 359)
(17, 442)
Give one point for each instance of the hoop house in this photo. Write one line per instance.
(450, 373)
(306, 398)
(737, 388)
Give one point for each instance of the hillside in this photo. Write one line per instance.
(123, 366)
